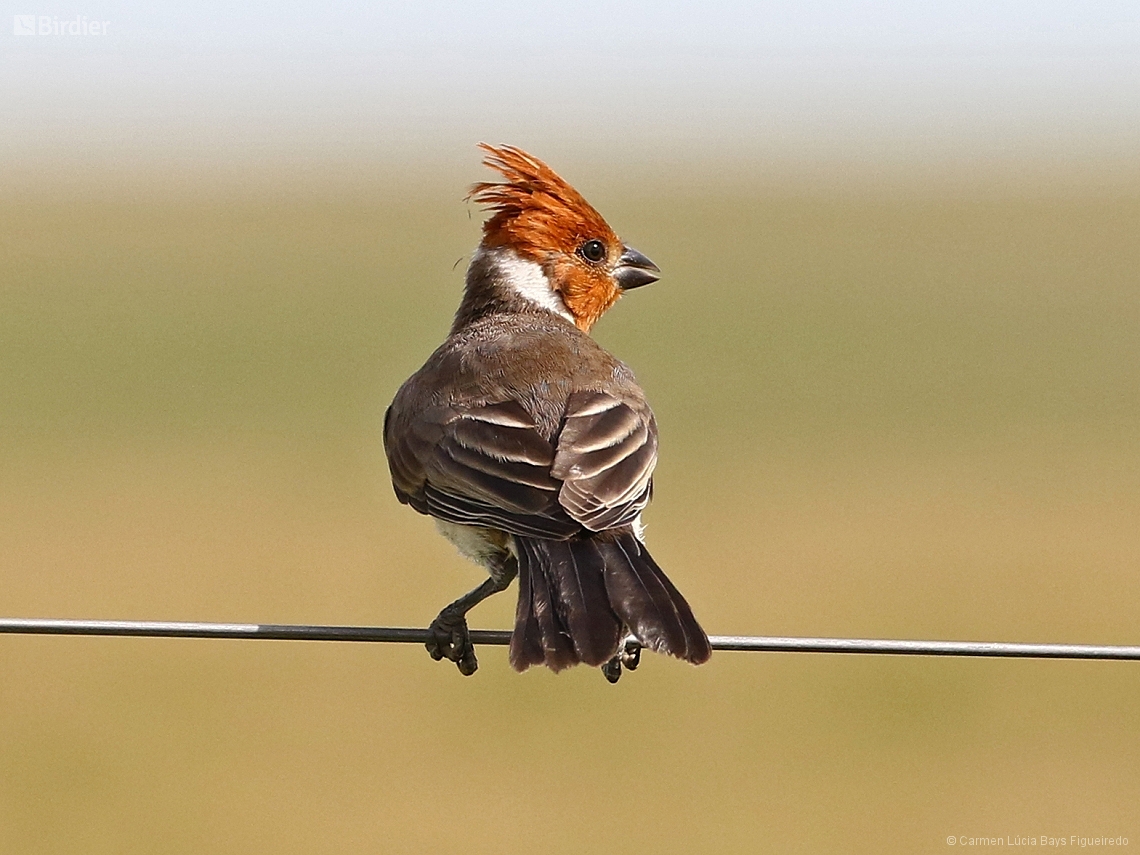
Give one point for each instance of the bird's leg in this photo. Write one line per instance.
(450, 638)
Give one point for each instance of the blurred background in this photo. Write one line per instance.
(895, 358)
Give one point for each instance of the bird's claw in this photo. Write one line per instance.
(630, 654)
(612, 669)
(628, 657)
(449, 639)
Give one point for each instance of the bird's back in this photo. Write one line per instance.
(532, 358)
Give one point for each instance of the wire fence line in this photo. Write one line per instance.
(405, 635)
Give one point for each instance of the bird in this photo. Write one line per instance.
(532, 447)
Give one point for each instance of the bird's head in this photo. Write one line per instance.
(561, 253)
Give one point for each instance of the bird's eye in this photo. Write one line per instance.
(593, 251)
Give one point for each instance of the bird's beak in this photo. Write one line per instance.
(634, 270)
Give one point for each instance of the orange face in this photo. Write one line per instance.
(545, 220)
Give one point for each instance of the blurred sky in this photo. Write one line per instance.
(343, 82)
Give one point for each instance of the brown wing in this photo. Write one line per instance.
(606, 453)
(484, 465)
(489, 465)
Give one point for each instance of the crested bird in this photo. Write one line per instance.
(532, 447)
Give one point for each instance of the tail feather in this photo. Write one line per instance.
(526, 644)
(649, 604)
(577, 597)
(585, 606)
(547, 628)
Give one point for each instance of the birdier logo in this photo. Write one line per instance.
(50, 25)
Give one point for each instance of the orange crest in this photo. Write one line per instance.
(544, 219)
(536, 211)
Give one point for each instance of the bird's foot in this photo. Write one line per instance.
(628, 657)
(630, 654)
(612, 669)
(449, 639)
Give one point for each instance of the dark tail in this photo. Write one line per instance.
(577, 598)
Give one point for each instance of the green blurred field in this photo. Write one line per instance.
(904, 413)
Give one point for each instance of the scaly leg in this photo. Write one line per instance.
(450, 638)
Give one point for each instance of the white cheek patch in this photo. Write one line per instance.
(529, 281)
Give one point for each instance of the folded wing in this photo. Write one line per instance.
(489, 465)
(479, 465)
(605, 458)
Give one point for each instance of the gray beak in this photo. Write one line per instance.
(635, 270)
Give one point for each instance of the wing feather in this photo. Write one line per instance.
(480, 465)
(605, 456)
(489, 465)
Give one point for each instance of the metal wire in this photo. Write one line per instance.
(770, 644)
